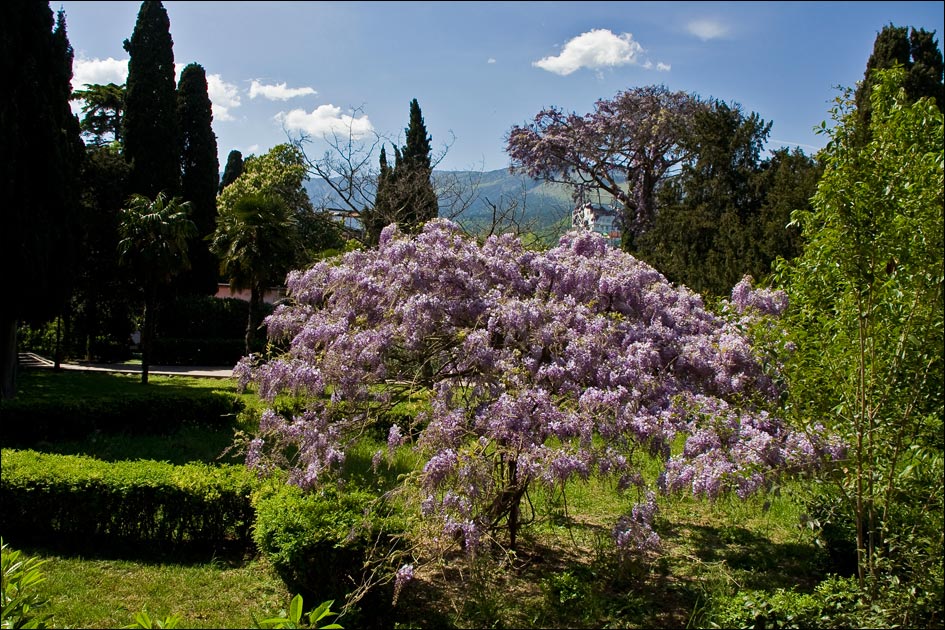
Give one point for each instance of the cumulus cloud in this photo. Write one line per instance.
(596, 49)
(663, 67)
(223, 96)
(87, 72)
(707, 29)
(325, 120)
(278, 92)
(490, 60)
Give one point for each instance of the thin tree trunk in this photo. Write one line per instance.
(147, 335)
(7, 355)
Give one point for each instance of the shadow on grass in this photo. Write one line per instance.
(230, 554)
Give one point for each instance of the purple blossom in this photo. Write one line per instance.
(537, 367)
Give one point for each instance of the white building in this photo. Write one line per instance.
(605, 221)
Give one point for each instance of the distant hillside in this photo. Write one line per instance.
(541, 205)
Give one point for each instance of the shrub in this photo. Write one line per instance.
(26, 421)
(321, 542)
(77, 500)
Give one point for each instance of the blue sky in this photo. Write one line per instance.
(478, 68)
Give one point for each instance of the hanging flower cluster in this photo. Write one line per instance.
(539, 368)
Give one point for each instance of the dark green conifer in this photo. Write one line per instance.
(152, 133)
(200, 173)
(232, 170)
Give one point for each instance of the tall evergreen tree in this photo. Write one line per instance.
(152, 135)
(232, 170)
(42, 152)
(200, 174)
(918, 53)
(414, 174)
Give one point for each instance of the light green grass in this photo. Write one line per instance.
(104, 593)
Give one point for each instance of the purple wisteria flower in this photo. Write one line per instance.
(538, 368)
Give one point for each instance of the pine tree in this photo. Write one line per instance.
(232, 170)
(42, 152)
(152, 136)
(102, 112)
(200, 173)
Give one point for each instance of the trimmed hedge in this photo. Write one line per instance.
(25, 421)
(318, 542)
(75, 500)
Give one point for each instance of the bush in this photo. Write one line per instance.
(205, 317)
(27, 421)
(834, 603)
(321, 542)
(76, 500)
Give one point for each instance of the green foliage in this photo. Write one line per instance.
(293, 617)
(834, 603)
(867, 320)
(232, 170)
(726, 214)
(405, 193)
(918, 54)
(322, 542)
(21, 606)
(75, 501)
(144, 620)
(200, 175)
(151, 129)
(102, 109)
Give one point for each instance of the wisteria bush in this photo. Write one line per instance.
(539, 368)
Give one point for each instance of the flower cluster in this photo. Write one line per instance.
(539, 367)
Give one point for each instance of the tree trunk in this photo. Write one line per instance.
(7, 355)
(255, 298)
(147, 335)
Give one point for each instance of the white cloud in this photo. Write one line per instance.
(279, 92)
(595, 49)
(324, 120)
(707, 29)
(663, 67)
(98, 72)
(224, 97)
(490, 60)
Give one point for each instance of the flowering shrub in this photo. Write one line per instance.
(540, 368)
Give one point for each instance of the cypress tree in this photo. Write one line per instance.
(232, 170)
(152, 136)
(200, 173)
(414, 172)
(42, 152)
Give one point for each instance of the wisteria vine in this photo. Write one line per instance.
(539, 368)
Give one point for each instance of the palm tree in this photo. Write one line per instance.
(154, 245)
(257, 242)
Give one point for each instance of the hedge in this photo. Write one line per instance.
(27, 421)
(319, 542)
(76, 500)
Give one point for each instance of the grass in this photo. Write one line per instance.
(564, 573)
(106, 593)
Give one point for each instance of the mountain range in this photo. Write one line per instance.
(472, 198)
